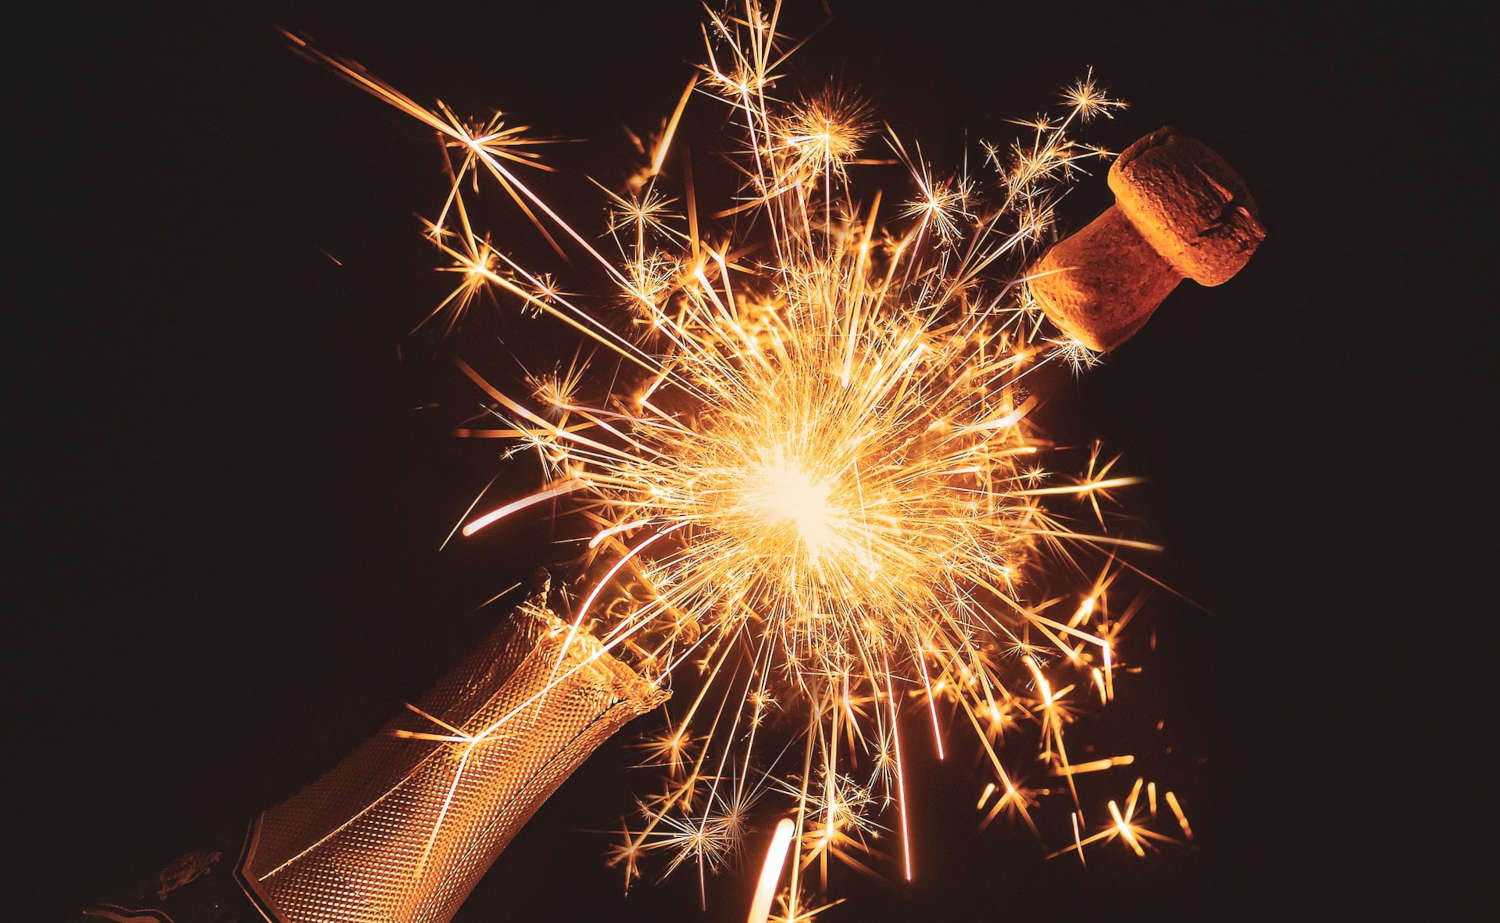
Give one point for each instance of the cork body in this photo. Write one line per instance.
(1179, 210)
(1096, 301)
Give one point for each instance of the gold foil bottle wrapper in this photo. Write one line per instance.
(403, 829)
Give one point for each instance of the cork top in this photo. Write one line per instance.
(1189, 205)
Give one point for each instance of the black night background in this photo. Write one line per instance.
(232, 467)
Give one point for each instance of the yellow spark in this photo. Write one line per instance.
(770, 871)
(1093, 765)
(1125, 831)
(1182, 820)
(671, 130)
(1077, 841)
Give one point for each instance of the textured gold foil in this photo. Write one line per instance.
(403, 829)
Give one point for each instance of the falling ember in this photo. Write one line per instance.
(1093, 765)
(1182, 820)
(815, 487)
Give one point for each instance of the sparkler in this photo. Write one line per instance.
(818, 496)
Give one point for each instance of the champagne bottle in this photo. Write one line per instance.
(405, 826)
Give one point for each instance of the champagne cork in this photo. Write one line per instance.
(1180, 211)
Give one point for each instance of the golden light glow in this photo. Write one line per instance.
(780, 493)
(770, 870)
(816, 483)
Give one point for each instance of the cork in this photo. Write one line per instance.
(1180, 212)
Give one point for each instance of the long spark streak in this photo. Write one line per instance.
(770, 871)
(900, 781)
(540, 496)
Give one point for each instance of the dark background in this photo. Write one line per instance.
(231, 474)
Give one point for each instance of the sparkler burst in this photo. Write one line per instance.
(818, 498)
